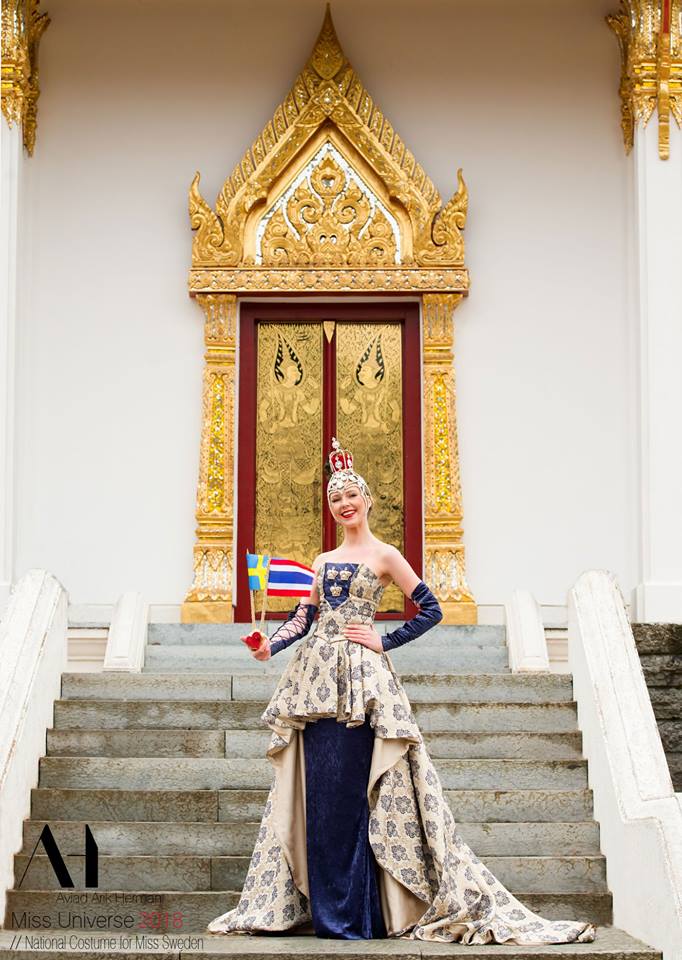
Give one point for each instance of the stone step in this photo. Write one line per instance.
(206, 634)
(667, 702)
(671, 734)
(136, 773)
(165, 839)
(253, 744)
(610, 944)
(554, 874)
(663, 670)
(456, 688)
(198, 909)
(211, 806)
(675, 766)
(230, 715)
(230, 659)
(658, 638)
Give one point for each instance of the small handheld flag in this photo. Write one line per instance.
(257, 564)
(288, 578)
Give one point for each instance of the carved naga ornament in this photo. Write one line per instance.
(328, 198)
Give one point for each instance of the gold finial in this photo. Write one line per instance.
(327, 57)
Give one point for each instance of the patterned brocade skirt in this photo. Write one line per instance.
(356, 820)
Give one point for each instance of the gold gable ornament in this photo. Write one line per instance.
(362, 207)
(328, 200)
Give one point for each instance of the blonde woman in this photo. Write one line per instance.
(357, 840)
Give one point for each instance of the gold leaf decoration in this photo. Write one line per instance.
(328, 220)
(446, 244)
(651, 66)
(388, 215)
(212, 245)
(23, 25)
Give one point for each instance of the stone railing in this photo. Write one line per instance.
(33, 656)
(639, 814)
(127, 634)
(525, 634)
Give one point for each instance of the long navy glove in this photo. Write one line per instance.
(296, 625)
(429, 615)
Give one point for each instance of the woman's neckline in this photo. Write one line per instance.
(357, 563)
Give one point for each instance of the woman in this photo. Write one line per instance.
(356, 837)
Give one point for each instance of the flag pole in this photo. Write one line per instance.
(251, 598)
(265, 597)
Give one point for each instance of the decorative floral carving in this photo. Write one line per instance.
(328, 219)
(444, 555)
(215, 502)
(383, 213)
(328, 280)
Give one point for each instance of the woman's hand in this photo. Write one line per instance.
(365, 634)
(263, 651)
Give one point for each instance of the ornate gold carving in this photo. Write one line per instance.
(330, 219)
(444, 242)
(369, 420)
(210, 596)
(289, 443)
(444, 561)
(328, 199)
(214, 241)
(22, 27)
(343, 214)
(648, 34)
(390, 280)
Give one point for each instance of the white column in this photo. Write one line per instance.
(658, 225)
(11, 161)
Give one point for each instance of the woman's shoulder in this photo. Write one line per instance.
(387, 552)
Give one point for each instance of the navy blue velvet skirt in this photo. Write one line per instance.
(342, 871)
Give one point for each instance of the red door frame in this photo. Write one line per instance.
(251, 312)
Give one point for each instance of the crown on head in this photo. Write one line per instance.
(341, 462)
(339, 458)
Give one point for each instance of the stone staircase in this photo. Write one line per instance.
(167, 768)
(660, 651)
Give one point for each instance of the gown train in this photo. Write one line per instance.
(356, 818)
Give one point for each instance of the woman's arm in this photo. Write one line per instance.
(413, 587)
(296, 625)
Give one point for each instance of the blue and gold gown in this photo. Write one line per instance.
(357, 839)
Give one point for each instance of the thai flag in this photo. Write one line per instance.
(287, 578)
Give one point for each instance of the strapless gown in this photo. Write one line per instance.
(328, 847)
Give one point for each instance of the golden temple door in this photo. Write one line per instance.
(307, 373)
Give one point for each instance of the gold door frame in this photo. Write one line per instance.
(328, 200)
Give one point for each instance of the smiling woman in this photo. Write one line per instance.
(357, 838)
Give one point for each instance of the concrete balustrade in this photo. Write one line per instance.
(639, 814)
(33, 651)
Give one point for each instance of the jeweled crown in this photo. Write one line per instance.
(341, 463)
(340, 459)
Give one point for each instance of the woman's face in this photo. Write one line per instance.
(348, 506)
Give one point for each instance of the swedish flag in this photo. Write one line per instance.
(258, 570)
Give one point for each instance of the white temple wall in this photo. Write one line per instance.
(138, 94)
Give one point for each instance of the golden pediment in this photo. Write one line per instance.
(328, 198)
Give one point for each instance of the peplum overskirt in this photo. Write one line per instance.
(432, 886)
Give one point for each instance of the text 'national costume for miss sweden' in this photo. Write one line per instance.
(357, 839)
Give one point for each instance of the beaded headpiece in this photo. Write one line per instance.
(341, 463)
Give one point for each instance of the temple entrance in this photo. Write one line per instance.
(327, 202)
(307, 373)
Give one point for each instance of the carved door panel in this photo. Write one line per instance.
(308, 373)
